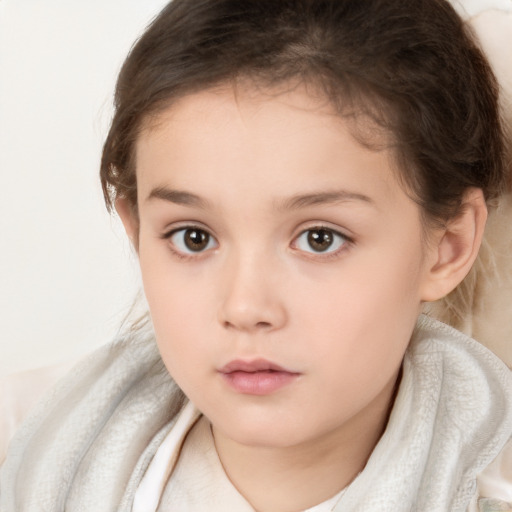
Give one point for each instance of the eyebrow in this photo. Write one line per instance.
(334, 197)
(296, 202)
(177, 197)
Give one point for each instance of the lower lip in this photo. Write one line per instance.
(258, 383)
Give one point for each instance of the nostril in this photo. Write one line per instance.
(258, 325)
(263, 324)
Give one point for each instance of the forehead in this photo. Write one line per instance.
(255, 142)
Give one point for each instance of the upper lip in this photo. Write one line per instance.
(255, 365)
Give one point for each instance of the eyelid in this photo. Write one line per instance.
(178, 226)
(316, 225)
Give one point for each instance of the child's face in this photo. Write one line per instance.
(268, 235)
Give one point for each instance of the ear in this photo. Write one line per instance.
(129, 219)
(455, 248)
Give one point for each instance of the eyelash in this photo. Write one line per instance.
(344, 243)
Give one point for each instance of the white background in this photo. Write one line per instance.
(67, 274)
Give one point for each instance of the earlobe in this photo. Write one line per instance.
(129, 219)
(456, 247)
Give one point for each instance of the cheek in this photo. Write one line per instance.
(179, 324)
(368, 286)
(178, 306)
(363, 314)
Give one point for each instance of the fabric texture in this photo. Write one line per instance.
(89, 444)
(20, 393)
(451, 418)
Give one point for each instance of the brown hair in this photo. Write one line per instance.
(412, 66)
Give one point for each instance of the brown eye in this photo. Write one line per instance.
(320, 239)
(192, 240)
(196, 240)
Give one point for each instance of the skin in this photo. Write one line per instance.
(256, 172)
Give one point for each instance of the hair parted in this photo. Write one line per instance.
(411, 66)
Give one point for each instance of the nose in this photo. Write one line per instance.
(251, 296)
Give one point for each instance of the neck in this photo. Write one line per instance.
(301, 476)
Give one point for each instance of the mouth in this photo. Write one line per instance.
(257, 377)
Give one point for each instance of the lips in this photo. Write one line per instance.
(257, 377)
(257, 365)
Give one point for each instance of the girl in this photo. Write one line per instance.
(298, 178)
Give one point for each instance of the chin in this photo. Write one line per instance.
(259, 439)
(261, 432)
